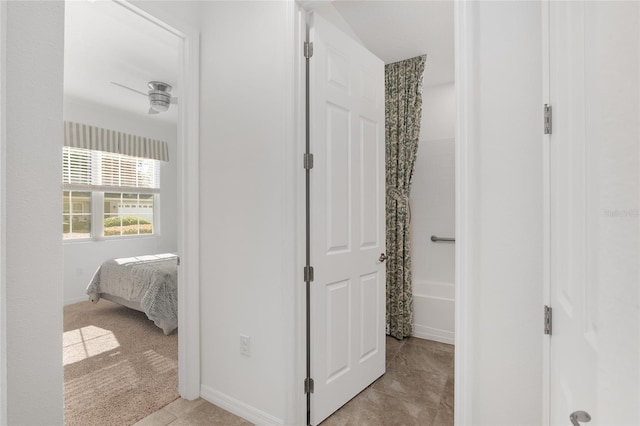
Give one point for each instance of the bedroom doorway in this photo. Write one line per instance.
(130, 111)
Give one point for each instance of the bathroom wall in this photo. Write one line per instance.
(433, 213)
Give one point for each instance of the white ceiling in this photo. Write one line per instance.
(397, 30)
(105, 42)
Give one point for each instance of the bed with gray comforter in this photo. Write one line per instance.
(145, 283)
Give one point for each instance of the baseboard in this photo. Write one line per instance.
(84, 298)
(239, 408)
(429, 333)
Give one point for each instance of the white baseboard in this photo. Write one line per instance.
(84, 298)
(424, 332)
(239, 408)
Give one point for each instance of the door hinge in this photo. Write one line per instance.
(308, 161)
(308, 273)
(548, 114)
(547, 320)
(308, 49)
(308, 385)
(178, 260)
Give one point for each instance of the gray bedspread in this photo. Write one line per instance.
(150, 281)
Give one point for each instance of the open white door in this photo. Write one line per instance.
(595, 226)
(347, 218)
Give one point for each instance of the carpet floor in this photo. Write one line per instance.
(118, 366)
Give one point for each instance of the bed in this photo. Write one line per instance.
(145, 283)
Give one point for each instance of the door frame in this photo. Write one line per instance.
(464, 154)
(3, 287)
(188, 232)
(546, 212)
(299, 415)
(464, 151)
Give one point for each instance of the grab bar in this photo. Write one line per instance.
(436, 239)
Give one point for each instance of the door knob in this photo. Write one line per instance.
(382, 257)
(579, 416)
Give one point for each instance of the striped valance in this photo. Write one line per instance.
(84, 136)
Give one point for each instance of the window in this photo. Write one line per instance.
(107, 194)
(128, 214)
(76, 214)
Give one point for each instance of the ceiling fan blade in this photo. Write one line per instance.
(129, 88)
(174, 100)
(153, 111)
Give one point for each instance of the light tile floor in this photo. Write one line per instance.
(417, 389)
(192, 413)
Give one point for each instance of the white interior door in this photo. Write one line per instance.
(595, 181)
(347, 218)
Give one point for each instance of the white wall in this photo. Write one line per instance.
(502, 215)
(183, 15)
(247, 209)
(33, 176)
(328, 11)
(82, 258)
(433, 213)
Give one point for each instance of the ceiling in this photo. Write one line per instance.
(397, 30)
(106, 42)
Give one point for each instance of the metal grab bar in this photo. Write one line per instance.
(436, 239)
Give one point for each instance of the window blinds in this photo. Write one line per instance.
(76, 166)
(84, 169)
(84, 136)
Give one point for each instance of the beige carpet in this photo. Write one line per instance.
(119, 367)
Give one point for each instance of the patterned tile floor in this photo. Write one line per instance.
(417, 389)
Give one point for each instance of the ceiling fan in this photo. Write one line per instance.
(159, 95)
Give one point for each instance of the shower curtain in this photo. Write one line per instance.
(403, 112)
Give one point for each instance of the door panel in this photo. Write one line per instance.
(347, 218)
(595, 181)
(338, 177)
(370, 337)
(370, 184)
(338, 336)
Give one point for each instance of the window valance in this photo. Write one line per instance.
(77, 135)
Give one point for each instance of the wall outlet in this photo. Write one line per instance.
(245, 345)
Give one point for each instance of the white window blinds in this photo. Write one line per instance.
(76, 166)
(84, 169)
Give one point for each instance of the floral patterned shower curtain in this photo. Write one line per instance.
(403, 109)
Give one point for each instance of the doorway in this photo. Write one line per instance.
(119, 108)
(336, 79)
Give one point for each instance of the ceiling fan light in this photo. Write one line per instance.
(159, 100)
(159, 106)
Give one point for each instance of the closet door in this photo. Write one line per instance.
(347, 218)
(595, 205)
